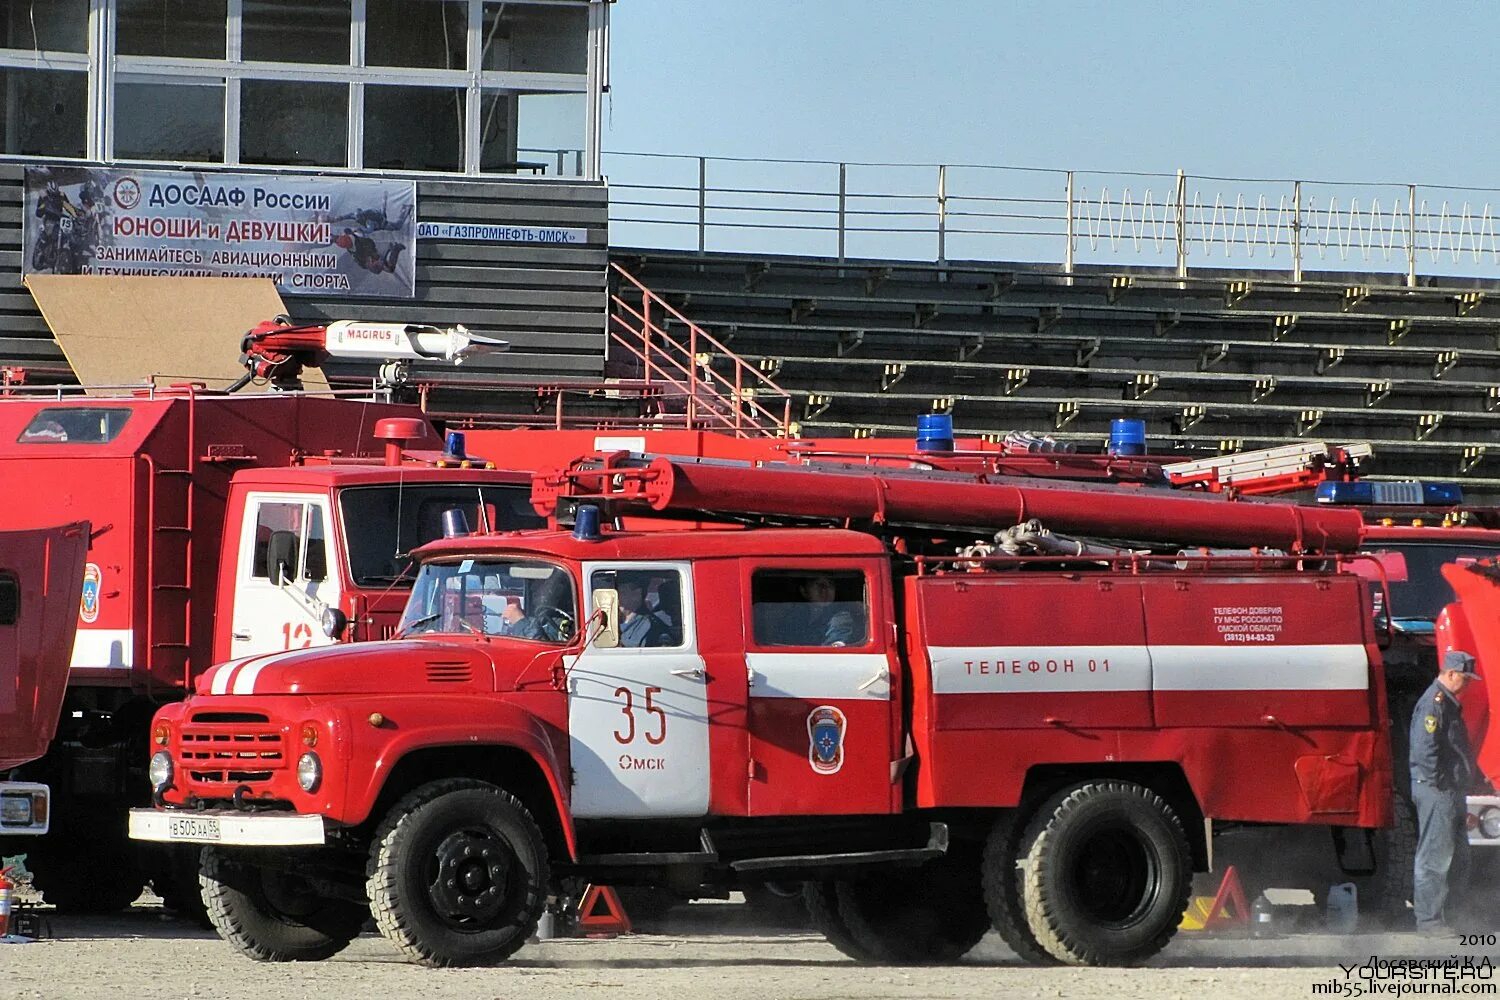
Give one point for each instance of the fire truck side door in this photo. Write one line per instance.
(291, 530)
(821, 712)
(638, 714)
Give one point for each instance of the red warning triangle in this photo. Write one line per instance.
(1229, 905)
(611, 921)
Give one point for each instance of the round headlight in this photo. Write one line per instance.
(160, 771)
(1489, 822)
(309, 771)
(333, 622)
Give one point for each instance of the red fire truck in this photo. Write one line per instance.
(197, 501)
(848, 686)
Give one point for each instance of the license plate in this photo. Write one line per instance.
(193, 828)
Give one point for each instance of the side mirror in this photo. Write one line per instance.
(607, 607)
(281, 557)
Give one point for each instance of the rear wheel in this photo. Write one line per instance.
(932, 914)
(822, 902)
(1387, 893)
(1002, 892)
(1106, 874)
(273, 916)
(458, 874)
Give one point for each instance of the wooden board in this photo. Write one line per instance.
(124, 330)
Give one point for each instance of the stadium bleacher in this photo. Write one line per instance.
(1214, 362)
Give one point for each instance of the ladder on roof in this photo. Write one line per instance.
(1271, 470)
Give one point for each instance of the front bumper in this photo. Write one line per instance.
(227, 826)
(1480, 806)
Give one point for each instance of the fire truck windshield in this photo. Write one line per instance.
(1418, 590)
(523, 599)
(383, 523)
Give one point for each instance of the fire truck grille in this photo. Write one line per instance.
(234, 749)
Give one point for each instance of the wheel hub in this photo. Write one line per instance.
(1115, 876)
(472, 877)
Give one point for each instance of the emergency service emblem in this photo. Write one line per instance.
(88, 605)
(1430, 724)
(825, 739)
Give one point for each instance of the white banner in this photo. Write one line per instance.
(311, 235)
(492, 233)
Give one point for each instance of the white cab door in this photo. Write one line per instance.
(638, 716)
(267, 617)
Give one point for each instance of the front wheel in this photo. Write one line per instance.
(273, 916)
(1106, 871)
(458, 874)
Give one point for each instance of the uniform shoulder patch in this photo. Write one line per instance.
(1430, 724)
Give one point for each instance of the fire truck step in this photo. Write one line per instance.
(937, 846)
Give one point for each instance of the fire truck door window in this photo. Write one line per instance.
(810, 608)
(650, 606)
(10, 599)
(278, 528)
(638, 713)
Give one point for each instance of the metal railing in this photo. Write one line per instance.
(729, 403)
(944, 212)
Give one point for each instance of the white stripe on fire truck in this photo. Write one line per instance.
(244, 681)
(102, 648)
(825, 675)
(1003, 669)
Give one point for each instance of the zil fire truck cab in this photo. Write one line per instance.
(221, 526)
(853, 682)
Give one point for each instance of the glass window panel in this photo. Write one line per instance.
(160, 121)
(428, 34)
(302, 31)
(536, 38)
(53, 25)
(532, 133)
(190, 29)
(294, 124)
(10, 600)
(414, 128)
(43, 112)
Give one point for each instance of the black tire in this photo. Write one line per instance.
(1002, 892)
(181, 892)
(909, 916)
(775, 904)
(1386, 894)
(272, 916)
(489, 843)
(1106, 874)
(822, 902)
(87, 880)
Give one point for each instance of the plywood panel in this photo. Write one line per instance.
(120, 330)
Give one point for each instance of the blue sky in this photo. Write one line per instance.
(1373, 91)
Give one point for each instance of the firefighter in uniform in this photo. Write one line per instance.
(1442, 770)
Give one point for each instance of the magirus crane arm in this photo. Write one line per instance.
(279, 350)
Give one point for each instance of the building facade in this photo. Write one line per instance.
(490, 108)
